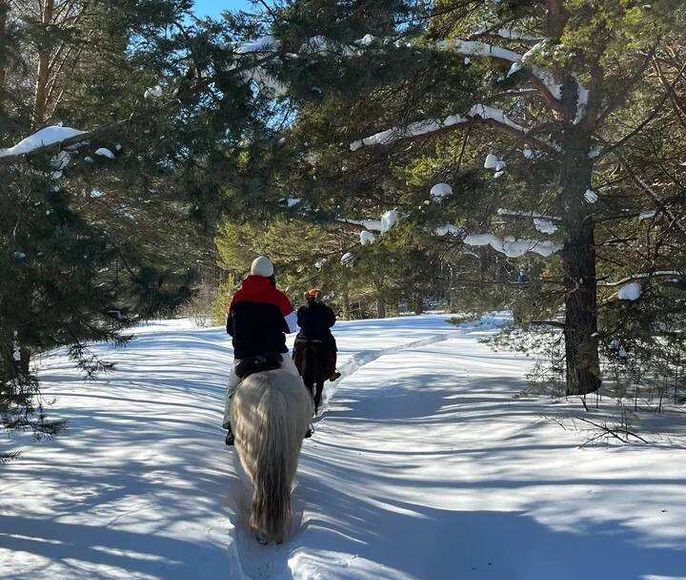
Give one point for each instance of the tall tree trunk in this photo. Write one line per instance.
(346, 304)
(418, 304)
(4, 13)
(380, 307)
(579, 265)
(40, 101)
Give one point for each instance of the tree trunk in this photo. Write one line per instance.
(40, 101)
(418, 304)
(579, 266)
(380, 307)
(24, 360)
(4, 12)
(346, 304)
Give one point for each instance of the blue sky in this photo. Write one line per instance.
(214, 7)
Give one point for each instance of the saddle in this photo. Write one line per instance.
(257, 364)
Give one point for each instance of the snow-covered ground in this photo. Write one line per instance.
(423, 466)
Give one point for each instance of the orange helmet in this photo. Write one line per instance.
(312, 294)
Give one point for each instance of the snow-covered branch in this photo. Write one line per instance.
(644, 276)
(513, 247)
(372, 225)
(52, 138)
(527, 214)
(478, 113)
(543, 78)
(508, 245)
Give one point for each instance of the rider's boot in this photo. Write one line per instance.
(229, 437)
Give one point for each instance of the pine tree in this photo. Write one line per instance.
(552, 91)
(114, 224)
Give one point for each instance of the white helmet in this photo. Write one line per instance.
(262, 266)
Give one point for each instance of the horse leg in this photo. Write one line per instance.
(318, 396)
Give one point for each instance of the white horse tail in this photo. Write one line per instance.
(275, 461)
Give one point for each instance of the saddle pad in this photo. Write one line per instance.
(257, 364)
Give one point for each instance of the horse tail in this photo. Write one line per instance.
(276, 457)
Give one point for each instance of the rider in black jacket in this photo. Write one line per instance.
(314, 352)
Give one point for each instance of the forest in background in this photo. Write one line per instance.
(468, 155)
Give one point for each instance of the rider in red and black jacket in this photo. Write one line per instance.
(259, 318)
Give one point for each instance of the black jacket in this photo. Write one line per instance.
(315, 321)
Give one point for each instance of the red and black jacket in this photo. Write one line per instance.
(259, 318)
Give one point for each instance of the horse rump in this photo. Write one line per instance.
(271, 412)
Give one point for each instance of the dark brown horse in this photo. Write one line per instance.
(316, 362)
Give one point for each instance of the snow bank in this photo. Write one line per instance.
(43, 138)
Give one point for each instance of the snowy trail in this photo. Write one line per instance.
(141, 485)
(424, 466)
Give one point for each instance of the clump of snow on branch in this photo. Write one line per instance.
(319, 264)
(266, 43)
(515, 68)
(631, 291)
(647, 214)
(366, 40)
(153, 92)
(591, 196)
(513, 247)
(95, 193)
(43, 138)
(545, 226)
(388, 220)
(347, 259)
(60, 161)
(448, 230)
(491, 161)
(373, 225)
(441, 190)
(366, 237)
(105, 152)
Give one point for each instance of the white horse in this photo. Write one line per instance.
(270, 414)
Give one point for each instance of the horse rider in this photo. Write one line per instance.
(258, 320)
(315, 320)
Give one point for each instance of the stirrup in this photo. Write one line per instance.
(310, 432)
